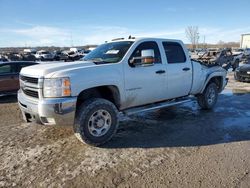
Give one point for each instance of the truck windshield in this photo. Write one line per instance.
(109, 52)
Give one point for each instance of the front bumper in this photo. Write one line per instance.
(56, 111)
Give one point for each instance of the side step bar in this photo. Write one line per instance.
(155, 106)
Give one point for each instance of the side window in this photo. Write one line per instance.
(147, 46)
(5, 69)
(174, 52)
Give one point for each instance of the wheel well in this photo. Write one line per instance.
(218, 80)
(110, 93)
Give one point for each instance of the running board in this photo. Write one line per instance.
(154, 106)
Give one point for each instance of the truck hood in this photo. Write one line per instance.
(43, 69)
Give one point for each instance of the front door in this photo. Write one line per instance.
(145, 84)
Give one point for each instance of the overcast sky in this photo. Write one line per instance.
(81, 22)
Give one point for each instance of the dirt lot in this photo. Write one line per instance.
(173, 147)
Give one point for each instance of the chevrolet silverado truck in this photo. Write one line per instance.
(122, 76)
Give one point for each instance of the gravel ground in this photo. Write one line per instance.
(174, 147)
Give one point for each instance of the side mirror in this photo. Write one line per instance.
(146, 59)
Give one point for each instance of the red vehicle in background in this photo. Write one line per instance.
(9, 75)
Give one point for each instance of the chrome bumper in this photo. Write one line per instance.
(56, 111)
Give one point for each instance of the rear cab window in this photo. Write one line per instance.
(174, 52)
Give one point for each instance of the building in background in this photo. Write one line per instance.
(245, 41)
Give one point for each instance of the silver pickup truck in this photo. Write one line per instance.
(122, 76)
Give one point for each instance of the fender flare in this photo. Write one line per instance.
(210, 76)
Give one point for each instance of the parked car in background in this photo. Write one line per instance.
(28, 56)
(14, 56)
(60, 56)
(238, 51)
(247, 52)
(202, 52)
(242, 73)
(73, 56)
(32, 51)
(44, 55)
(3, 58)
(9, 75)
(222, 58)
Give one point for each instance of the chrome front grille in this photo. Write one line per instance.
(29, 86)
(30, 93)
(29, 79)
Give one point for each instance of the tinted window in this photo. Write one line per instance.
(4, 69)
(148, 46)
(174, 52)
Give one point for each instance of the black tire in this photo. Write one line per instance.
(87, 120)
(205, 100)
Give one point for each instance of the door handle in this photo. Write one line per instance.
(186, 69)
(160, 72)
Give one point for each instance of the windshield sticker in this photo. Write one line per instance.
(112, 52)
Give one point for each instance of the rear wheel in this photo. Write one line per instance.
(208, 98)
(96, 121)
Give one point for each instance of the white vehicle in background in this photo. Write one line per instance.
(237, 51)
(30, 50)
(44, 55)
(238, 55)
(201, 52)
(126, 76)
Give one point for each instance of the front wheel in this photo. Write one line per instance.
(96, 121)
(208, 98)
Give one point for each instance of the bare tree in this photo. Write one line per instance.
(221, 44)
(192, 33)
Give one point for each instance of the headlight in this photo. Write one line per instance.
(56, 87)
(248, 72)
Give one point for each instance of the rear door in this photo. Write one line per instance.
(179, 70)
(8, 78)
